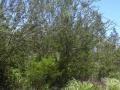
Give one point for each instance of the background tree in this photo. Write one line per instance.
(54, 41)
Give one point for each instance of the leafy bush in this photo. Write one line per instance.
(77, 85)
(17, 79)
(112, 84)
(115, 75)
(42, 73)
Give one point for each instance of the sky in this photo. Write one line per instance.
(110, 9)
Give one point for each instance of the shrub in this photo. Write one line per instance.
(16, 78)
(42, 73)
(112, 84)
(77, 85)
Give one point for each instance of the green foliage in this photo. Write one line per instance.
(112, 84)
(57, 41)
(42, 73)
(16, 78)
(77, 85)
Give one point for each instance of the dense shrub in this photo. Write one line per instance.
(32, 32)
(42, 73)
(77, 85)
(112, 84)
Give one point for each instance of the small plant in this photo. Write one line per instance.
(112, 84)
(42, 73)
(77, 85)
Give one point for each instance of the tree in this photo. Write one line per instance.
(70, 31)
